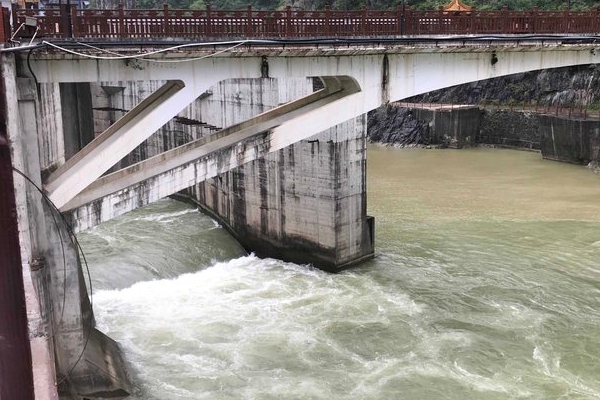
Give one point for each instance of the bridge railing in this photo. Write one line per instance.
(249, 23)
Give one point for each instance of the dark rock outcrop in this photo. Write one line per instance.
(579, 85)
(396, 125)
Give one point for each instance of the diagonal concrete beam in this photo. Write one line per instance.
(335, 88)
(118, 140)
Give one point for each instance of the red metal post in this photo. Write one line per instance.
(327, 20)
(121, 20)
(249, 22)
(505, 21)
(4, 36)
(166, 30)
(74, 20)
(288, 21)
(406, 21)
(16, 376)
(64, 20)
(363, 27)
(209, 29)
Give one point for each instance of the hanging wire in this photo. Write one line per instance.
(143, 56)
(77, 245)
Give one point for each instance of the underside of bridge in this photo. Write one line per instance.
(246, 136)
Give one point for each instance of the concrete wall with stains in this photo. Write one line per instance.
(305, 203)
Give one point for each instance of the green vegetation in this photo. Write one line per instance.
(371, 4)
(511, 4)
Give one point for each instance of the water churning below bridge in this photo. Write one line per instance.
(486, 285)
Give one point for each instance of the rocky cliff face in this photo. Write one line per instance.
(396, 125)
(575, 86)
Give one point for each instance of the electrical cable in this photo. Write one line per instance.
(49, 202)
(90, 325)
(142, 55)
(333, 41)
(120, 56)
(29, 67)
(77, 245)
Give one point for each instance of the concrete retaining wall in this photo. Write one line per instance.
(436, 125)
(66, 348)
(456, 128)
(557, 137)
(513, 129)
(568, 140)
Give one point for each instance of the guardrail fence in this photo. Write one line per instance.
(187, 24)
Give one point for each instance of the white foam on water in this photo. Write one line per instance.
(550, 364)
(250, 318)
(165, 217)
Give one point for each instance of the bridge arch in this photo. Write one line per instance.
(357, 80)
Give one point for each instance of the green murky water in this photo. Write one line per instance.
(486, 285)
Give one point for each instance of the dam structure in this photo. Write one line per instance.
(267, 136)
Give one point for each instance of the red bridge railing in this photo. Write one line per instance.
(288, 23)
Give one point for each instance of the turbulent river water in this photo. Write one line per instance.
(485, 285)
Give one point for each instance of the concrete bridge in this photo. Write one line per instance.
(355, 79)
(288, 181)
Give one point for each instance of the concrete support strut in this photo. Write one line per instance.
(190, 155)
(117, 141)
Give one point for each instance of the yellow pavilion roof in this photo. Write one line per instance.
(457, 5)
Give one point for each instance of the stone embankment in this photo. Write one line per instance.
(541, 110)
(560, 134)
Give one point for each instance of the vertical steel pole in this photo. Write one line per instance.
(16, 376)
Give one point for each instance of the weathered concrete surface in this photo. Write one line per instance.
(382, 75)
(76, 105)
(113, 144)
(184, 166)
(305, 203)
(349, 237)
(61, 320)
(558, 137)
(403, 125)
(568, 140)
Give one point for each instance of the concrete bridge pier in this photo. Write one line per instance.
(305, 203)
(66, 348)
